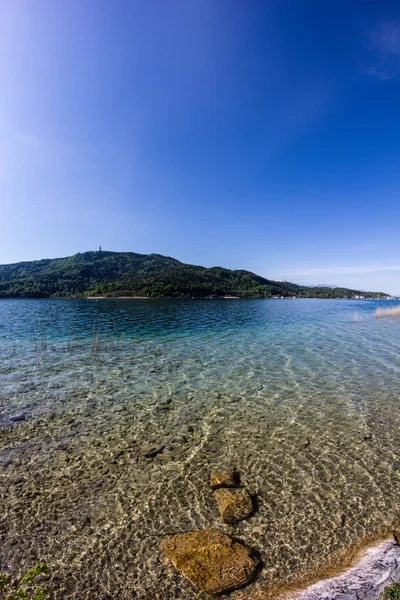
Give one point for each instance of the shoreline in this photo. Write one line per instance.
(117, 298)
(371, 569)
(227, 297)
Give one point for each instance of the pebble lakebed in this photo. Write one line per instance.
(80, 490)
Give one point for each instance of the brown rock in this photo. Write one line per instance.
(224, 478)
(150, 451)
(233, 505)
(212, 560)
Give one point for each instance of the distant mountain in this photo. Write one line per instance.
(325, 285)
(115, 274)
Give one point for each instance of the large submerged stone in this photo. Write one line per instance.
(212, 560)
(233, 504)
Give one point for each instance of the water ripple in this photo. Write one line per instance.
(302, 396)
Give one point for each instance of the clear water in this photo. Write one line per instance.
(301, 396)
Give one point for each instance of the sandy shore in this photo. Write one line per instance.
(377, 567)
(371, 571)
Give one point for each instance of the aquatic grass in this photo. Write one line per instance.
(96, 344)
(23, 592)
(392, 312)
(3, 581)
(392, 592)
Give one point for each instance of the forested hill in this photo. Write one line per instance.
(129, 274)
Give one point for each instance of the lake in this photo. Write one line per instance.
(301, 396)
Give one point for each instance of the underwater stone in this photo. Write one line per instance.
(154, 452)
(16, 479)
(233, 505)
(210, 559)
(179, 438)
(164, 403)
(146, 447)
(224, 478)
(19, 418)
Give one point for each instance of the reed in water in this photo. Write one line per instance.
(394, 311)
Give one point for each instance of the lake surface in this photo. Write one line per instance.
(301, 396)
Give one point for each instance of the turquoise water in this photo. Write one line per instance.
(300, 395)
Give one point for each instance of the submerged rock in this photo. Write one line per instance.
(179, 438)
(151, 450)
(233, 505)
(210, 559)
(163, 404)
(154, 452)
(18, 418)
(224, 478)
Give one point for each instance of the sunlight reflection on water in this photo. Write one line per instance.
(300, 395)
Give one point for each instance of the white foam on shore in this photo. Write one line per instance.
(378, 567)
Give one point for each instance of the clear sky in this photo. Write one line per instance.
(256, 134)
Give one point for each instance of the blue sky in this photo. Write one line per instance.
(261, 135)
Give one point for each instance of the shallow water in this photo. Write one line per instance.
(300, 395)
